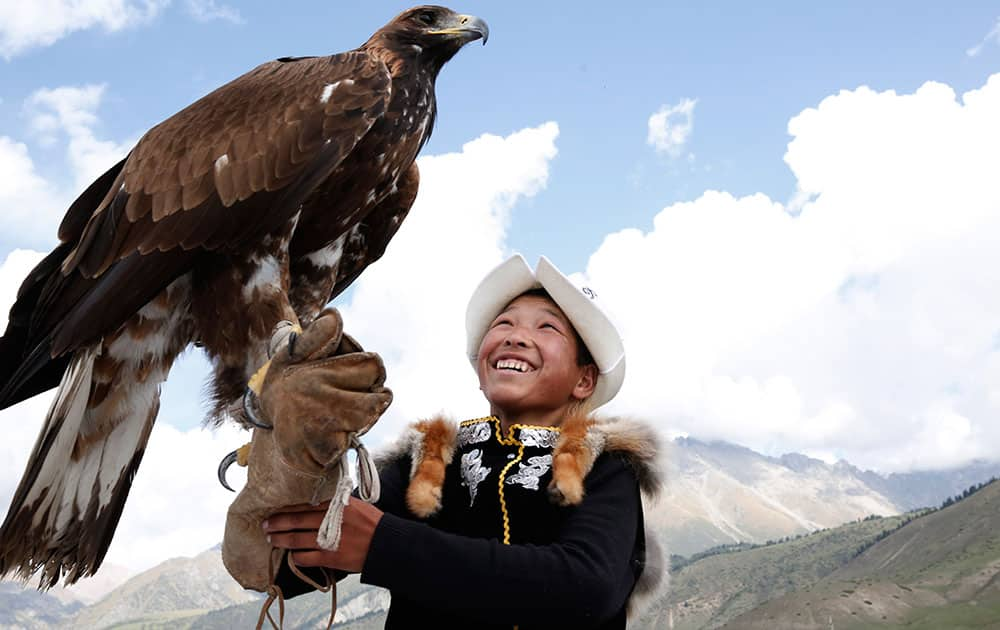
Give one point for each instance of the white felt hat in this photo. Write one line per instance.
(512, 278)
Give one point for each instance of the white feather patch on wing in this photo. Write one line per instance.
(265, 278)
(328, 256)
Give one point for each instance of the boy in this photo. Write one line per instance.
(530, 517)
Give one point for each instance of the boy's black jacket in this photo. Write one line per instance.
(495, 548)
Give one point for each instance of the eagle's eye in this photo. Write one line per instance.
(426, 17)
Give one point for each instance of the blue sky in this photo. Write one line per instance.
(598, 70)
(791, 209)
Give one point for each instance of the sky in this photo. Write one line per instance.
(791, 211)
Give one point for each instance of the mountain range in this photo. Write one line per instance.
(718, 495)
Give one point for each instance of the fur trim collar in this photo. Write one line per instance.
(431, 444)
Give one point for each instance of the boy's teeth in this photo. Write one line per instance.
(512, 364)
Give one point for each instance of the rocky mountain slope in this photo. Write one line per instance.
(181, 587)
(719, 493)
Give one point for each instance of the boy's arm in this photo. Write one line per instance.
(580, 579)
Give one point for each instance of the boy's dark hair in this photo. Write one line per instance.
(583, 356)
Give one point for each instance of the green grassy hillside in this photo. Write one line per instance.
(939, 571)
(711, 590)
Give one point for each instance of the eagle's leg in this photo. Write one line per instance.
(78, 476)
(315, 275)
(237, 303)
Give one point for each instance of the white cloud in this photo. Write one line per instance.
(864, 323)
(208, 10)
(31, 204)
(670, 127)
(993, 35)
(27, 25)
(34, 206)
(73, 111)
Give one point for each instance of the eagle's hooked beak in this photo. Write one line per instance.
(468, 27)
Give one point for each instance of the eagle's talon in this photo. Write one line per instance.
(250, 410)
(224, 465)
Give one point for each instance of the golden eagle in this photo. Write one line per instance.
(258, 203)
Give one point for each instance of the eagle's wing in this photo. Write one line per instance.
(369, 239)
(280, 129)
(320, 276)
(226, 170)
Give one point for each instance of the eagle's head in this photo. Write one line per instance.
(430, 34)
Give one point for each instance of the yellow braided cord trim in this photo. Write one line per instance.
(257, 380)
(532, 426)
(503, 501)
(508, 441)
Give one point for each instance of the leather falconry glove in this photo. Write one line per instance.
(320, 386)
(318, 392)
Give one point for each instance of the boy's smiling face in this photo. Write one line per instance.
(528, 363)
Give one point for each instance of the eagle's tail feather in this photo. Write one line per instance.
(68, 503)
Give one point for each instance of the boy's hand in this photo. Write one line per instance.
(296, 527)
